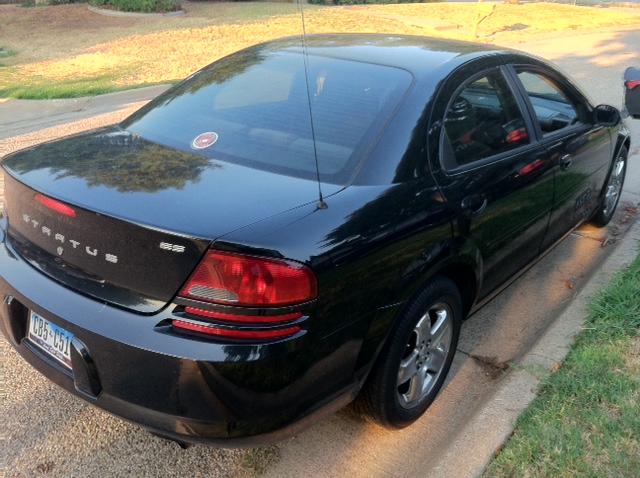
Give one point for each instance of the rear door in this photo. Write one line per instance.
(579, 151)
(492, 172)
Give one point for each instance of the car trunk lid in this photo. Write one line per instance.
(143, 214)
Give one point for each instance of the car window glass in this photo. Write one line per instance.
(484, 120)
(551, 105)
(256, 106)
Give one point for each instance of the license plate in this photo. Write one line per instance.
(53, 340)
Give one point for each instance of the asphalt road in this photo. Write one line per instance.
(46, 432)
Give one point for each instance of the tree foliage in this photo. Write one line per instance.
(115, 160)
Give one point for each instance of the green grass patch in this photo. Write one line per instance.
(5, 53)
(65, 89)
(60, 90)
(42, 88)
(586, 420)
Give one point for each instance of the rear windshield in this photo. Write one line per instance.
(257, 107)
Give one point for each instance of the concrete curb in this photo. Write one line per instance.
(117, 13)
(471, 451)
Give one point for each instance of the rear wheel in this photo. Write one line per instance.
(416, 359)
(612, 191)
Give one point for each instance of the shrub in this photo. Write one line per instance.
(145, 6)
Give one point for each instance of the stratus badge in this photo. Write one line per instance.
(65, 240)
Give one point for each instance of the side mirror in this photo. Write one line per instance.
(607, 115)
(632, 91)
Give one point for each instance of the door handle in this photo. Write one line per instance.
(565, 162)
(474, 205)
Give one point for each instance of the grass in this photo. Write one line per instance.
(42, 89)
(64, 89)
(585, 421)
(60, 89)
(5, 53)
(67, 50)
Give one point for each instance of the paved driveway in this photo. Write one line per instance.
(49, 433)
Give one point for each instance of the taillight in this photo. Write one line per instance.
(55, 205)
(212, 330)
(242, 318)
(237, 279)
(631, 84)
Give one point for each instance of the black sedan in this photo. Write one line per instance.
(291, 229)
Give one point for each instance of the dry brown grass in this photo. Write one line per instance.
(122, 52)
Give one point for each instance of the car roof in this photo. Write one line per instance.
(416, 54)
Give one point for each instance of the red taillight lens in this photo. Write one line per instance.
(55, 205)
(228, 278)
(268, 334)
(631, 84)
(243, 319)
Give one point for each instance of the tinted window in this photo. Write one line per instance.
(483, 120)
(258, 106)
(551, 105)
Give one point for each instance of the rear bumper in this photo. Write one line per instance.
(178, 387)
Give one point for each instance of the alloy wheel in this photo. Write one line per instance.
(425, 355)
(614, 187)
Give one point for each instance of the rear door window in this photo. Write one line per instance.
(483, 120)
(257, 106)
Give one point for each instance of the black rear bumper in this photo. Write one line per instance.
(179, 387)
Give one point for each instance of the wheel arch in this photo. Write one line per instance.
(627, 143)
(462, 264)
(623, 139)
(463, 275)
(463, 268)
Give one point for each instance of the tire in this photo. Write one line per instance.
(612, 190)
(386, 398)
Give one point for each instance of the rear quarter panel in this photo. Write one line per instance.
(369, 249)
